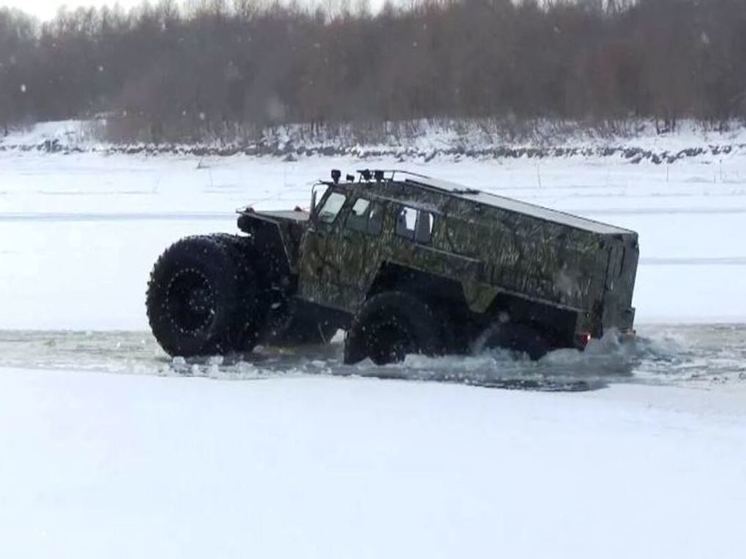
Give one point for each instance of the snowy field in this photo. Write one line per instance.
(109, 449)
(122, 466)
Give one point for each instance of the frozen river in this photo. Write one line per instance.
(112, 449)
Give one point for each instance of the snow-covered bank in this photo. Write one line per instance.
(411, 141)
(128, 466)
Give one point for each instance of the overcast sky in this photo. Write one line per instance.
(46, 9)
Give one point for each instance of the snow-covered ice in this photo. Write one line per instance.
(228, 459)
(123, 466)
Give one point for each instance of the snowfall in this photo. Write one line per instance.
(108, 448)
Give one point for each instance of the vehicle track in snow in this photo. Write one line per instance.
(663, 354)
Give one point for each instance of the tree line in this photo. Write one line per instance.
(166, 71)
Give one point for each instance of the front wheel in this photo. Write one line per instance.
(202, 298)
(390, 326)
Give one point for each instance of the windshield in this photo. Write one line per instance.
(331, 208)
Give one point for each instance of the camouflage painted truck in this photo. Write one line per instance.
(405, 264)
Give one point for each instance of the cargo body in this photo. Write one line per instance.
(569, 275)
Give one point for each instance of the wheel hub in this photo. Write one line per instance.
(190, 300)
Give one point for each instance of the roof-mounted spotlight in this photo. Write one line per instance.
(350, 178)
(365, 174)
(379, 175)
(336, 173)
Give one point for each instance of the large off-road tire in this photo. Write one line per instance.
(255, 289)
(284, 322)
(203, 297)
(516, 338)
(391, 325)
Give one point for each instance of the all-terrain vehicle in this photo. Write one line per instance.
(405, 264)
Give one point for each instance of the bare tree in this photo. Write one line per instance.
(215, 66)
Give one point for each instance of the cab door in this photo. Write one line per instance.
(340, 250)
(359, 249)
(318, 259)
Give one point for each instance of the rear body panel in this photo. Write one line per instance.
(624, 253)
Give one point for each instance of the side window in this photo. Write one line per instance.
(358, 218)
(424, 229)
(415, 224)
(366, 217)
(329, 211)
(375, 219)
(405, 222)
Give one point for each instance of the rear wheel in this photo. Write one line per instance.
(517, 338)
(390, 326)
(203, 298)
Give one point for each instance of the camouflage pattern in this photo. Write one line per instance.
(490, 245)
